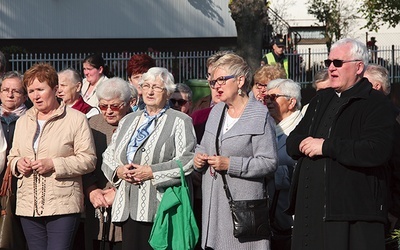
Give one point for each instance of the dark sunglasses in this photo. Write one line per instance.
(337, 63)
(180, 102)
(113, 107)
(273, 97)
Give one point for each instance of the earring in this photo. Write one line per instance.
(240, 92)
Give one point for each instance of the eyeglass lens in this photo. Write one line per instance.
(180, 102)
(273, 97)
(337, 63)
(113, 107)
(220, 80)
(12, 91)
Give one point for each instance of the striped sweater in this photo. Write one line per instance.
(173, 138)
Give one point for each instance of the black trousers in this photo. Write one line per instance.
(135, 235)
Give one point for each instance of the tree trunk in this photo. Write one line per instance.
(250, 17)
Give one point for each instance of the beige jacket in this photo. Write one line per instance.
(67, 139)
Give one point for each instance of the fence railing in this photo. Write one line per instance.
(192, 65)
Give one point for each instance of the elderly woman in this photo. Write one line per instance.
(141, 160)
(244, 131)
(12, 96)
(52, 148)
(69, 90)
(114, 97)
(262, 77)
(283, 101)
(95, 72)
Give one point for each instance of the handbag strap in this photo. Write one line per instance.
(226, 187)
(6, 185)
(183, 180)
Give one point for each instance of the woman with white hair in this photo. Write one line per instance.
(284, 102)
(141, 158)
(114, 97)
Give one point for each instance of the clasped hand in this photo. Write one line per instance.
(25, 166)
(219, 163)
(102, 197)
(135, 174)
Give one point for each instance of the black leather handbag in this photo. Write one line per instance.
(250, 217)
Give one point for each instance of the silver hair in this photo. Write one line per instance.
(115, 87)
(235, 65)
(13, 74)
(162, 74)
(213, 58)
(134, 92)
(320, 76)
(380, 74)
(358, 50)
(183, 88)
(75, 76)
(287, 87)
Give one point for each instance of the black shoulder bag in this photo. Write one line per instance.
(250, 217)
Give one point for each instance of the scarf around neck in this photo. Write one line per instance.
(142, 133)
(9, 116)
(288, 124)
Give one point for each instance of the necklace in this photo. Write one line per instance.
(229, 122)
(37, 179)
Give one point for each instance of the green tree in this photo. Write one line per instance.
(250, 17)
(334, 15)
(380, 12)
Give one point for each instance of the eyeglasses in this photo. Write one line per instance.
(273, 97)
(113, 107)
(180, 102)
(260, 85)
(220, 80)
(12, 91)
(155, 88)
(337, 63)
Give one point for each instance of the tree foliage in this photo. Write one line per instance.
(334, 15)
(380, 12)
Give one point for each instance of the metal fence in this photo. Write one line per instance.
(192, 65)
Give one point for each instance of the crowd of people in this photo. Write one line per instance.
(91, 156)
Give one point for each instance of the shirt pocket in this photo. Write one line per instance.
(64, 188)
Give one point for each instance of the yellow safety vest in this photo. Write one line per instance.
(271, 60)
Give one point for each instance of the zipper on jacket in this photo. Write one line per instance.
(36, 176)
